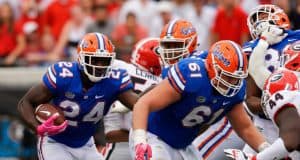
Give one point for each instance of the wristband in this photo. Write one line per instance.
(263, 146)
(276, 151)
(139, 136)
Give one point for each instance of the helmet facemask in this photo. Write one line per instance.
(226, 83)
(263, 17)
(172, 50)
(264, 100)
(97, 65)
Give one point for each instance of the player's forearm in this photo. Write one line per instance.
(128, 99)
(140, 120)
(117, 136)
(27, 113)
(140, 115)
(257, 69)
(253, 137)
(254, 104)
(243, 126)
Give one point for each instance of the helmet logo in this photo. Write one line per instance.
(296, 47)
(188, 30)
(219, 55)
(276, 77)
(84, 44)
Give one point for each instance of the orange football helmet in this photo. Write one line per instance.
(291, 57)
(96, 55)
(226, 65)
(177, 39)
(271, 14)
(145, 55)
(281, 79)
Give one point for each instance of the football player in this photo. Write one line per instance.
(195, 94)
(84, 90)
(144, 70)
(270, 29)
(177, 45)
(280, 102)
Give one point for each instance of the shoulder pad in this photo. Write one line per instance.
(188, 75)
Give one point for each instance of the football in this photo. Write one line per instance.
(45, 111)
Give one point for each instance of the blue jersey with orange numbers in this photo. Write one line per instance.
(200, 104)
(82, 109)
(272, 56)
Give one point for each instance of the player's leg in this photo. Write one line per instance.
(118, 151)
(190, 152)
(162, 150)
(107, 150)
(215, 139)
(88, 151)
(49, 149)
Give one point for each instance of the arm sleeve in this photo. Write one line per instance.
(257, 68)
(50, 79)
(125, 82)
(248, 47)
(182, 78)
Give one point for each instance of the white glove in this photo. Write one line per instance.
(273, 34)
(237, 154)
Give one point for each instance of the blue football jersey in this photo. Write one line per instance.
(83, 109)
(272, 57)
(200, 104)
(195, 54)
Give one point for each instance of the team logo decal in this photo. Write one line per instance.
(296, 46)
(188, 30)
(215, 101)
(275, 77)
(218, 54)
(201, 99)
(70, 95)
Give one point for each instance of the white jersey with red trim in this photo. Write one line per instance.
(141, 78)
(141, 81)
(280, 100)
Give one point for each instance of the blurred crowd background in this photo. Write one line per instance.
(36, 33)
